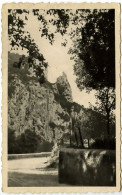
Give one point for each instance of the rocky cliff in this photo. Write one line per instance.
(39, 108)
(39, 112)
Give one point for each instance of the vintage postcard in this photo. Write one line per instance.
(61, 97)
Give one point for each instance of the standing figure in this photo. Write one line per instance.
(76, 129)
(73, 129)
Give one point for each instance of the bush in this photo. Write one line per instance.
(12, 146)
(27, 142)
(54, 159)
(104, 144)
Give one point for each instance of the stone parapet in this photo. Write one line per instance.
(87, 167)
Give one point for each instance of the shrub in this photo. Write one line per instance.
(104, 144)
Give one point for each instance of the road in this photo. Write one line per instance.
(30, 172)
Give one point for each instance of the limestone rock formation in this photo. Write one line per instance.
(40, 112)
(34, 106)
(64, 87)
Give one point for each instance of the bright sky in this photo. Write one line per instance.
(58, 60)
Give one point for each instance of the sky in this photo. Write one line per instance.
(58, 59)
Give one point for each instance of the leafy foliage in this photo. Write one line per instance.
(106, 104)
(11, 141)
(94, 55)
(103, 144)
(19, 38)
(94, 51)
(92, 124)
(27, 142)
(105, 100)
(59, 18)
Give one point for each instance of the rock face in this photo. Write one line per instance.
(64, 88)
(32, 107)
(37, 107)
(87, 167)
(40, 112)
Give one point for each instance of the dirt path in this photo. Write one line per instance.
(31, 172)
(31, 180)
(31, 166)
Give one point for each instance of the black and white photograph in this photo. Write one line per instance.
(62, 97)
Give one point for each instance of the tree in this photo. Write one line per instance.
(11, 141)
(92, 124)
(59, 18)
(106, 104)
(52, 21)
(94, 51)
(18, 37)
(94, 55)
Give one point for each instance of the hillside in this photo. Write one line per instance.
(39, 113)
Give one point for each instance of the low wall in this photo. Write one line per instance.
(29, 155)
(87, 167)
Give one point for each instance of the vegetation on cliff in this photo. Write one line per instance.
(39, 114)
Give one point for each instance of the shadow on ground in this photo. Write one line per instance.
(32, 180)
(31, 172)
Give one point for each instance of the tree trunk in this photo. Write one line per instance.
(71, 138)
(53, 136)
(76, 138)
(88, 142)
(108, 127)
(81, 139)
